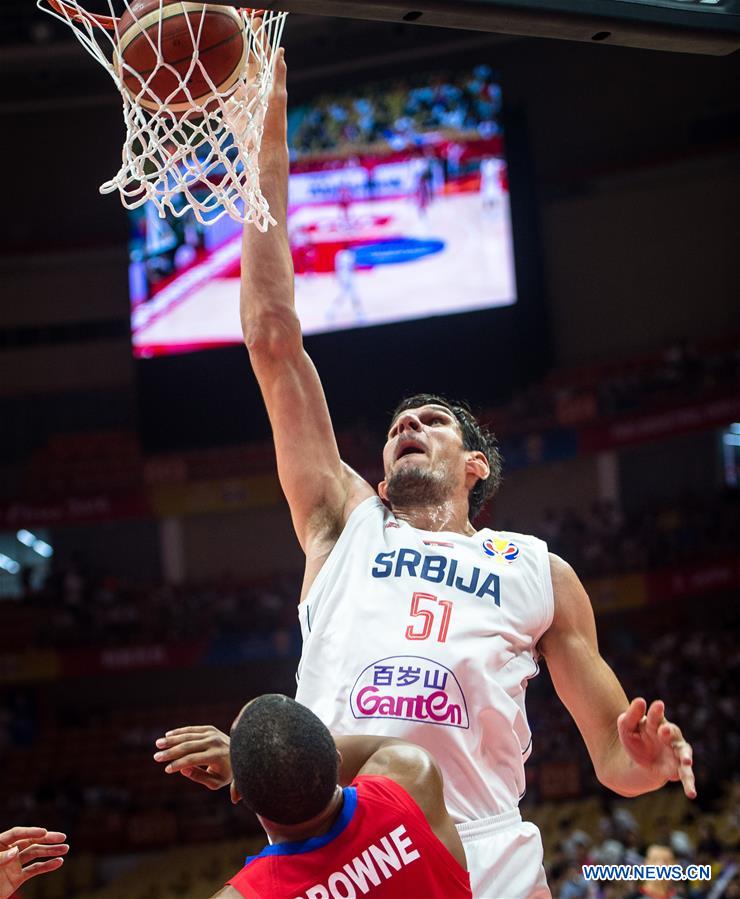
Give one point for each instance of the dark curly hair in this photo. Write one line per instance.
(283, 759)
(475, 436)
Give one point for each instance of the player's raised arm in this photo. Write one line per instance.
(320, 490)
(634, 749)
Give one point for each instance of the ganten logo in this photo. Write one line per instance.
(409, 688)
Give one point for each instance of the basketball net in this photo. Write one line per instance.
(204, 156)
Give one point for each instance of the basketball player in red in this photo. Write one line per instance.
(385, 832)
(415, 624)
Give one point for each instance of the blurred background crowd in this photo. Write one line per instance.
(76, 738)
(400, 115)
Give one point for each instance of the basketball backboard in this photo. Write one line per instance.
(685, 26)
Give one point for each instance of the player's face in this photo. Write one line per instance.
(424, 456)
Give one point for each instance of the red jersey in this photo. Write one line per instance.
(380, 845)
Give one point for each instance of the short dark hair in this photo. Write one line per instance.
(283, 759)
(475, 436)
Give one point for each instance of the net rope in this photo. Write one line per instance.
(183, 152)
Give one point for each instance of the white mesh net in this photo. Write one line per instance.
(197, 147)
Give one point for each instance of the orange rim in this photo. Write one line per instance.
(109, 23)
(78, 15)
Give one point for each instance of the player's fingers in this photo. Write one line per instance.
(41, 868)
(8, 855)
(670, 734)
(43, 851)
(24, 844)
(206, 748)
(655, 717)
(202, 776)
(193, 760)
(190, 729)
(181, 745)
(53, 836)
(178, 752)
(684, 761)
(688, 781)
(631, 718)
(8, 837)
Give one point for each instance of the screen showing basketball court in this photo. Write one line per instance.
(398, 210)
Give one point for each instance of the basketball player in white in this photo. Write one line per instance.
(416, 625)
(490, 188)
(345, 262)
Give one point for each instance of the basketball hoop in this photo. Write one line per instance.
(185, 148)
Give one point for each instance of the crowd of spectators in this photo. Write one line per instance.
(78, 608)
(605, 541)
(694, 665)
(619, 840)
(683, 373)
(695, 669)
(92, 775)
(400, 115)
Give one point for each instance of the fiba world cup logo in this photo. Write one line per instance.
(500, 550)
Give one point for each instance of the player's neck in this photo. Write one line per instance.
(315, 827)
(445, 517)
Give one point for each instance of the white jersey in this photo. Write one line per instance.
(490, 174)
(430, 637)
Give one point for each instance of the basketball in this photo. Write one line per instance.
(158, 42)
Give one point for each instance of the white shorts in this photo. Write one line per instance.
(504, 857)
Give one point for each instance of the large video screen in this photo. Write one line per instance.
(398, 210)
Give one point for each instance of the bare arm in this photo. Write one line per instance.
(633, 748)
(412, 768)
(201, 753)
(228, 892)
(320, 490)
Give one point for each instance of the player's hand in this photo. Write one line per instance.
(242, 105)
(19, 849)
(276, 120)
(200, 753)
(652, 742)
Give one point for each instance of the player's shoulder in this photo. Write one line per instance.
(381, 795)
(398, 772)
(377, 784)
(365, 505)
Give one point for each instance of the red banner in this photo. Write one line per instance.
(473, 148)
(130, 658)
(74, 510)
(677, 583)
(655, 425)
